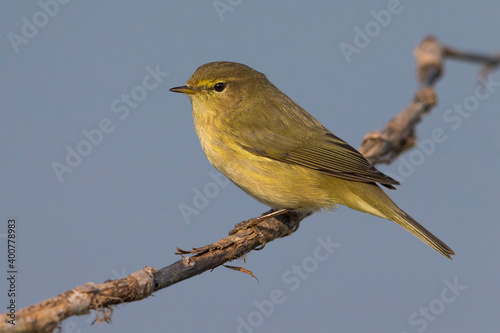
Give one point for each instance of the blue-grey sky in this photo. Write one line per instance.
(99, 159)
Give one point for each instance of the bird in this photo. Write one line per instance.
(279, 154)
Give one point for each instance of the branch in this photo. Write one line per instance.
(378, 147)
(399, 134)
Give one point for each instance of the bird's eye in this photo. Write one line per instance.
(219, 86)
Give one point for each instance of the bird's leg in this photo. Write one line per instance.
(252, 223)
(256, 220)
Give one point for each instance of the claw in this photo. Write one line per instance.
(261, 237)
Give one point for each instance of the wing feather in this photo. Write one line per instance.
(311, 145)
(327, 154)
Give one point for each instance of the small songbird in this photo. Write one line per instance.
(282, 156)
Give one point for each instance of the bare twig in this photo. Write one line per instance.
(489, 62)
(46, 316)
(399, 134)
(378, 147)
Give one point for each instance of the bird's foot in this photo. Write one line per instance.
(256, 220)
(253, 223)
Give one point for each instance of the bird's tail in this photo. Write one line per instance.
(407, 222)
(373, 200)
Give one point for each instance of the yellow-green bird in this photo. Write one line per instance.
(282, 156)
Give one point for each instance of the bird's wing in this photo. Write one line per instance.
(322, 151)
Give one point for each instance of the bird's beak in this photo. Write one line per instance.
(184, 89)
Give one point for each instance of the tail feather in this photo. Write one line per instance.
(407, 222)
(371, 199)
